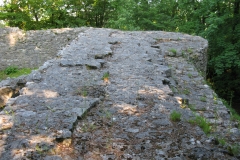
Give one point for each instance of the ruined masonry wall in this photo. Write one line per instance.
(32, 48)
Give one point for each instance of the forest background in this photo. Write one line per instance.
(216, 20)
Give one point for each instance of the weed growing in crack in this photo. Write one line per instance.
(234, 149)
(189, 50)
(222, 141)
(190, 75)
(108, 115)
(174, 51)
(192, 107)
(202, 123)
(105, 76)
(186, 92)
(88, 127)
(203, 99)
(175, 116)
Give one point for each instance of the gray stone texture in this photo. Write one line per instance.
(32, 48)
(67, 110)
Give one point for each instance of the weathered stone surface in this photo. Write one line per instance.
(32, 48)
(66, 110)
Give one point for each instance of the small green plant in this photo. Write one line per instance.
(190, 75)
(88, 127)
(189, 50)
(174, 51)
(108, 115)
(184, 54)
(192, 107)
(186, 91)
(84, 93)
(105, 76)
(234, 149)
(222, 141)
(175, 116)
(10, 70)
(202, 123)
(12, 73)
(203, 99)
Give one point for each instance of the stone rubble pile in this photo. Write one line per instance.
(110, 94)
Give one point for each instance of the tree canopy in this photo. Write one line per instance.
(216, 20)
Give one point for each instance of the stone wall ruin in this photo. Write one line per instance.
(32, 48)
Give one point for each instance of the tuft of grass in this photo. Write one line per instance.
(84, 93)
(106, 76)
(88, 127)
(175, 116)
(203, 99)
(10, 70)
(14, 72)
(174, 51)
(222, 141)
(234, 149)
(190, 75)
(192, 107)
(202, 123)
(186, 91)
(189, 50)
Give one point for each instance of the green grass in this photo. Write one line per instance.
(234, 149)
(14, 72)
(202, 123)
(186, 92)
(189, 50)
(89, 127)
(222, 141)
(192, 107)
(175, 116)
(174, 51)
(190, 75)
(203, 99)
(106, 76)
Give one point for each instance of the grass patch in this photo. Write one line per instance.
(190, 75)
(105, 76)
(203, 99)
(234, 149)
(175, 116)
(174, 51)
(14, 72)
(88, 127)
(222, 141)
(202, 123)
(192, 107)
(189, 50)
(186, 92)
